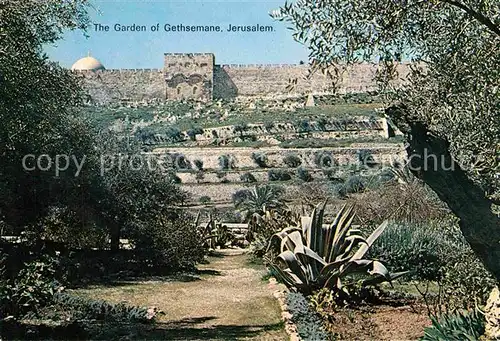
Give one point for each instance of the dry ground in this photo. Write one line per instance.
(228, 301)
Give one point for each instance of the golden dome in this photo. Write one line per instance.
(88, 63)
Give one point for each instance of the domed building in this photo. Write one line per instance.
(88, 64)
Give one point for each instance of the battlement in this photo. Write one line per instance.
(119, 71)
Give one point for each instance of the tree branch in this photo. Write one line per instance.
(476, 15)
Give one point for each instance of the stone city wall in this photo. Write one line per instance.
(196, 76)
(115, 85)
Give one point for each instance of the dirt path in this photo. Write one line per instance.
(228, 301)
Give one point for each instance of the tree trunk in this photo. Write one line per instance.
(114, 230)
(479, 225)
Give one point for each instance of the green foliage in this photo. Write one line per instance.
(205, 199)
(88, 309)
(248, 177)
(456, 326)
(309, 325)
(440, 254)
(215, 234)
(193, 132)
(312, 256)
(260, 159)
(171, 243)
(32, 288)
(227, 162)
(304, 175)
(353, 184)
(198, 164)
(324, 159)
(173, 134)
(292, 160)
(365, 157)
(278, 175)
(258, 199)
(417, 248)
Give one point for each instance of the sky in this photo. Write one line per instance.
(133, 50)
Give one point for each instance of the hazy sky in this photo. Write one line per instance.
(146, 49)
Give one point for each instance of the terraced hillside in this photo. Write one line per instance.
(219, 148)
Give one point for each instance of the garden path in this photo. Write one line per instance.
(227, 300)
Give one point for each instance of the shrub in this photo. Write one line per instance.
(227, 162)
(304, 174)
(278, 175)
(269, 126)
(303, 126)
(366, 158)
(248, 177)
(178, 161)
(417, 248)
(193, 132)
(171, 245)
(456, 326)
(88, 309)
(173, 134)
(32, 288)
(323, 159)
(200, 175)
(198, 164)
(292, 160)
(354, 184)
(260, 159)
(239, 196)
(309, 325)
(205, 199)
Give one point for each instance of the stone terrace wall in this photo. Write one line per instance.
(116, 85)
(253, 80)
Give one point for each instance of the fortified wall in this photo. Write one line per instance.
(196, 76)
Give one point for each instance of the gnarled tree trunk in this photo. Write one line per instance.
(479, 225)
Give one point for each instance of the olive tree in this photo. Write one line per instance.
(40, 114)
(449, 107)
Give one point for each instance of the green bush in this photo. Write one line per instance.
(83, 308)
(309, 325)
(366, 158)
(205, 199)
(260, 159)
(456, 326)
(324, 159)
(198, 164)
(248, 177)
(32, 288)
(304, 174)
(439, 254)
(292, 160)
(278, 175)
(417, 248)
(227, 162)
(171, 244)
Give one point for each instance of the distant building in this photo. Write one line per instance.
(88, 63)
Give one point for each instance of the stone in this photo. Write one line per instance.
(492, 315)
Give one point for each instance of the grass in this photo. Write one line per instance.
(104, 117)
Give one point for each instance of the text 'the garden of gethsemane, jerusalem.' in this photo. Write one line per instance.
(182, 28)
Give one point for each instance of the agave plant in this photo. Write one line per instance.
(214, 233)
(259, 199)
(314, 255)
